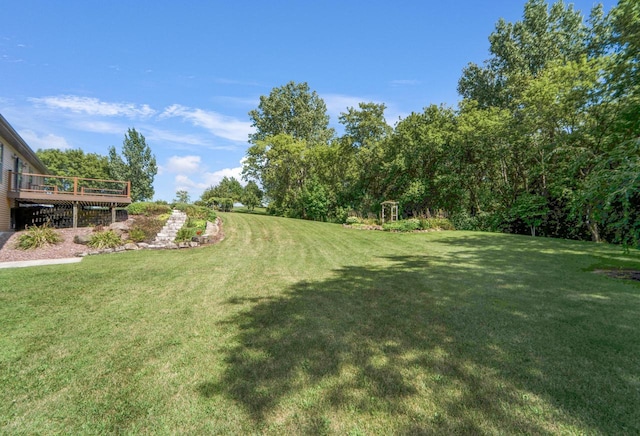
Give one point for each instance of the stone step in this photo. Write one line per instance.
(172, 226)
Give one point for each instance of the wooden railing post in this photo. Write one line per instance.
(75, 186)
(129, 189)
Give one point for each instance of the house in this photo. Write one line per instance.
(31, 196)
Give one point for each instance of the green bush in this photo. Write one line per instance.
(37, 237)
(148, 208)
(149, 225)
(105, 239)
(436, 223)
(137, 235)
(185, 234)
(353, 220)
(409, 225)
(485, 222)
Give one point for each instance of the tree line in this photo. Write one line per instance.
(545, 139)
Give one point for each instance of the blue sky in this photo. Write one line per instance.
(78, 74)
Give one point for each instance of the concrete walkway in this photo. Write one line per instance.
(25, 263)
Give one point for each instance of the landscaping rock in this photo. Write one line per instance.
(82, 239)
(131, 246)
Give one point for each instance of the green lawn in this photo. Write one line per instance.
(291, 326)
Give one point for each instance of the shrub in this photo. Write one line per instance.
(36, 237)
(483, 221)
(436, 223)
(148, 208)
(137, 235)
(105, 239)
(185, 234)
(150, 226)
(353, 220)
(402, 226)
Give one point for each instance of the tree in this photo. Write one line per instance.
(279, 163)
(292, 110)
(251, 196)
(182, 196)
(521, 50)
(75, 163)
(138, 166)
(228, 187)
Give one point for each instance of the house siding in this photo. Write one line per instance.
(6, 203)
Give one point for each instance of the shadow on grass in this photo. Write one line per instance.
(442, 349)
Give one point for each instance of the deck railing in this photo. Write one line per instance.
(67, 186)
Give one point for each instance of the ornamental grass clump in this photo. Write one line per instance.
(105, 239)
(36, 237)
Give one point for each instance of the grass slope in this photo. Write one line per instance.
(300, 327)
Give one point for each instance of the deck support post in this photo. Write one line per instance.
(75, 214)
(113, 213)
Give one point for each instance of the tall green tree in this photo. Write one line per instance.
(228, 187)
(281, 165)
(75, 163)
(521, 50)
(361, 153)
(182, 196)
(137, 165)
(294, 110)
(251, 195)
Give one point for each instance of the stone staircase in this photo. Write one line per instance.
(170, 229)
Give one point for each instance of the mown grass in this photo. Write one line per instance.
(300, 327)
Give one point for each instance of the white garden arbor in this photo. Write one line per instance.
(391, 206)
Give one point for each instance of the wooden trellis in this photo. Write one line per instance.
(393, 210)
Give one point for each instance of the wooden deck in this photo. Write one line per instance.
(40, 188)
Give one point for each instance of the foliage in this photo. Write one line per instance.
(251, 195)
(229, 187)
(75, 163)
(136, 234)
(532, 209)
(104, 239)
(37, 237)
(353, 220)
(138, 166)
(185, 234)
(409, 225)
(293, 110)
(146, 228)
(148, 208)
(182, 196)
(436, 223)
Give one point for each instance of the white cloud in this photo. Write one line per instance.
(215, 177)
(220, 125)
(93, 106)
(185, 183)
(405, 82)
(178, 138)
(99, 127)
(182, 164)
(47, 141)
(337, 103)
